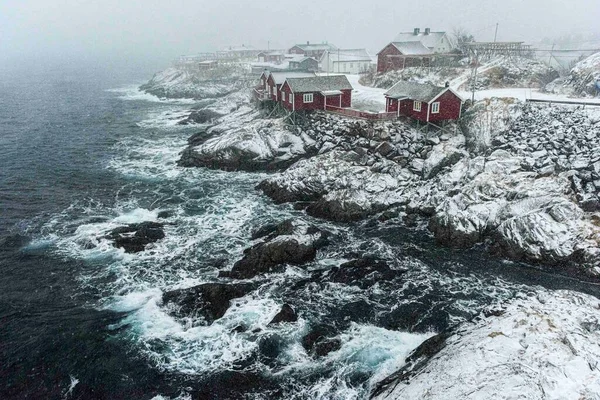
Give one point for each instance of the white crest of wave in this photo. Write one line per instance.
(133, 93)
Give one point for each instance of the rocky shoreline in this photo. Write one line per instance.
(529, 191)
(522, 181)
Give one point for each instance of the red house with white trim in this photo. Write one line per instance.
(270, 82)
(423, 102)
(316, 93)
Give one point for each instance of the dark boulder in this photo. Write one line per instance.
(287, 314)
(200, 117)
(335, 210)
(321, 340)
(134, 237)
(285, 243)
(208, 301)
(363, 272)
(281, 194)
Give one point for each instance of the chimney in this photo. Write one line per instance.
(427, 30)
(416, 32)
(447, 84)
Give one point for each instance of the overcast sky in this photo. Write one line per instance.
(159, 29)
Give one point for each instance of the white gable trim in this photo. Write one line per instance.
(444, 91)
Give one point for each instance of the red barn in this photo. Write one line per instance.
(316, 93)
(399, 55)
(423, 102)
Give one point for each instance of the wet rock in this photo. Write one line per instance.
(363, 272)
(336, 210)
(290, 242)
(165, 214)
(287, 314)
(385, 148)
(321, 340)
(200, 117)
(133, 238)
(208, 301)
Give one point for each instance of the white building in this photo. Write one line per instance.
(346, 61)
(437, 42)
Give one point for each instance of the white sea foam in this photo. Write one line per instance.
(133, 93)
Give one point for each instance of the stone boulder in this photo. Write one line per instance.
(133, 238)
(291, 242)
(208, 301)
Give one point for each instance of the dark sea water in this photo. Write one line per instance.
(82, 152)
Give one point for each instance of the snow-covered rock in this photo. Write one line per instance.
(541, 346)
(179, 82)
(243, 140)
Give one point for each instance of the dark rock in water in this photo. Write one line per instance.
(209, 300)
(415, 362)
(363, 272)
(320, 341)
(235, 385)
(334, 210)
(165, 214)
(271, 346)
(200, 117)
(134, 237)
(287, 243)
(230, 159)
(387, 215)
(281, 195)
(287, 314)
(423, 316)
(264, 231)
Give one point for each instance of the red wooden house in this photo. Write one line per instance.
(423, 102)
(316, 93)
(270, 83)
(399, 55)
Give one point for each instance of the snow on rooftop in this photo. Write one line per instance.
(280, 76)
(414, 91)
(412, 48)
(429, 40)
(319, 83)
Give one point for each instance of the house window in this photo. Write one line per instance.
(283, 96)
(291, 98)
(435, 108)
(417, 106)
(308, 98)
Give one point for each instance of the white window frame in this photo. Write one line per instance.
(291, 98)
(435, 107)
(282, 96)
(417, 106)
(308, 98)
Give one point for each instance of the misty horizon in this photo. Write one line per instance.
(36, 30)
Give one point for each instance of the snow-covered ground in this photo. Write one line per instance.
(543, 346)
(524, 94)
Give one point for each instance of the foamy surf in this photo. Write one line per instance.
(133, 93)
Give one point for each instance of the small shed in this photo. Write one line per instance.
(424, 102)
(208, 64)
(271, 57)
(316, 93)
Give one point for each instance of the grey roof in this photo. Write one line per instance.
(280, 76)
(348, 55)
(299, 60)
(319, 83)
(412, 48)
(316, 46)
(430, 40)
(414, 91)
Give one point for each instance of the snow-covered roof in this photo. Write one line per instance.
(429, 40)
(349, 55)
(319, 84)
(280, 76)
(272, 53)
(414, 91)
(412, 48)
(317, 46)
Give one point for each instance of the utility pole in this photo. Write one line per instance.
(550, 58)
(268, 45)
(474, 76)
(338, 60)
(496, 34)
